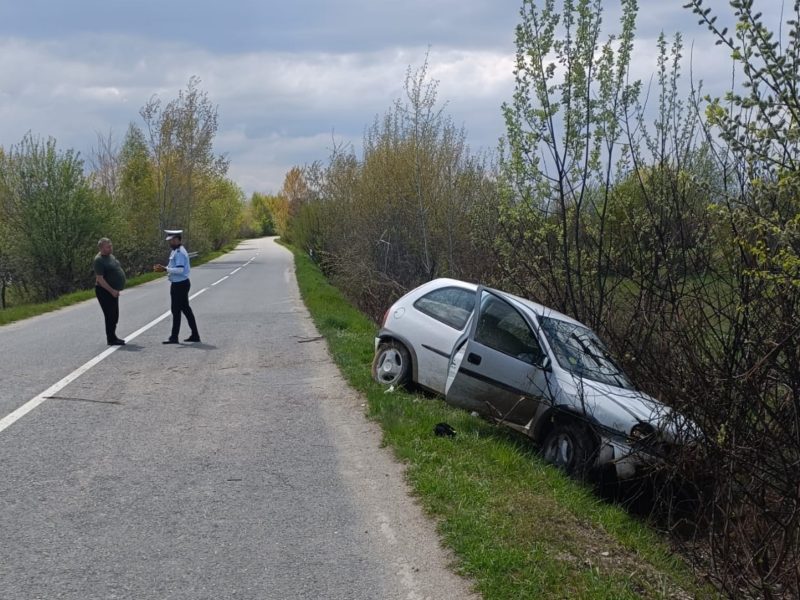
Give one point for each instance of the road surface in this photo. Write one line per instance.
(241, 467)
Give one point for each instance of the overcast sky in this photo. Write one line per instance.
(287, 77)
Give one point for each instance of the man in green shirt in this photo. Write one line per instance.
(109, 282)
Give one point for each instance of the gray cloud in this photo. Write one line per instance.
(287, 78)
(244, 25)
(274, 104)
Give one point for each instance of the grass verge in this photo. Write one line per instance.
(25, 311)
(518, 527)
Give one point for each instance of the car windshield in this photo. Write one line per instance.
(581, 352)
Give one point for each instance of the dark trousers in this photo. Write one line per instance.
(179, 296)
(110, 306)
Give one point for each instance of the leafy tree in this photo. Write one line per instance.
(5, 271)
(54, 215)
(163, 175)
(180, 136)
(402, 213)
(302, 224)
(295, 190)
(137, 230)
(105, 167)
(566, 146)
(754, 132)
(9, 271)
(220, 213)
(681, 248)
(266, 213)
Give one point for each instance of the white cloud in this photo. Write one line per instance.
(285, 77)
(276, 109)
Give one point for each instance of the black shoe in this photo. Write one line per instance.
(116, 342)
(172, 340)
(192, 338)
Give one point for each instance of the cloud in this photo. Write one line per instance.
(247, 25)
(283, 107)
(287, 77)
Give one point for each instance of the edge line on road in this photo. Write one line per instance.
(23, 410)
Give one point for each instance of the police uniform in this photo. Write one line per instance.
(178, 269)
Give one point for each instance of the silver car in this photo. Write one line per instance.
(525, 366)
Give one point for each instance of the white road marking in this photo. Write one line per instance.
(235, 271)
(23, 410)
(141, 330)
(220, 280)
(195, 295)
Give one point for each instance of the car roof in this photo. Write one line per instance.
(541, 310)
(537, 309)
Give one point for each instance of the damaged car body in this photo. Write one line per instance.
(525, 366)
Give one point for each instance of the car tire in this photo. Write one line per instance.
(392, 364)
(569, 446)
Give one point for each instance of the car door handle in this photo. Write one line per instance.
(474, 358)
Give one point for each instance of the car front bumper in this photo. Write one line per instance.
(625, 458)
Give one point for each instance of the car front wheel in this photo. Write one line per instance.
(392, 364)
(569, 446)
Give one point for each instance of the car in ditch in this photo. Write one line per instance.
(525, 366)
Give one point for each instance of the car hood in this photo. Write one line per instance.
(612, 407)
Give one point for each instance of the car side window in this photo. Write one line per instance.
(502, 328)
(452, 306)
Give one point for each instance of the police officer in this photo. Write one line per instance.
(178, 274)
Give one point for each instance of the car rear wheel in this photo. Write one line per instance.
(392, 364)
(570, 447)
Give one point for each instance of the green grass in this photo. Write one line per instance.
(26, 311)
(518, 527)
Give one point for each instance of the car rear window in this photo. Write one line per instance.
(452, 306)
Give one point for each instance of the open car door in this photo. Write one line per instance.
(498, 368)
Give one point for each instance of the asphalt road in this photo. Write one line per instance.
(241, 467)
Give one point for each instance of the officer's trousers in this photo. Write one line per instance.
(179, 297)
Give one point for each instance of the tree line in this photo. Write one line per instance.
(164, 174)
(668, 220)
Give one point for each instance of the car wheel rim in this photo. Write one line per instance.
(390, 366)
(560, 451)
